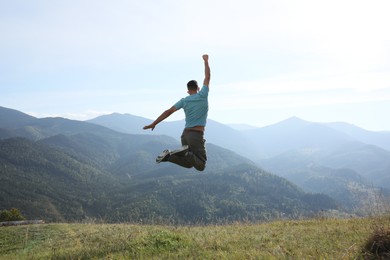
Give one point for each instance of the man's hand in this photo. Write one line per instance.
(164, 115)
(152, 126)
(206, 81)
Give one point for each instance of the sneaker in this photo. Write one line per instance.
(184, 148)
(163, 157)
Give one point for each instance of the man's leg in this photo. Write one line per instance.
(180, 158)
(196, 155)
(197, 152)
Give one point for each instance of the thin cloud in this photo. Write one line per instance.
(305, 82)
(305, 92)
(131, 56)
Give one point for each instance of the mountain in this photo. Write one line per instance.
(133, 154)
(55, 184)
(242, 192)
(66, 170)
(257, 143)
(11, 118)
(45, 127)
(216, 133)
(370, 161)
(293, 134)
(288, 147)
(350, 188)
(47, 183)
(380, 139)
(293, 144)
(124, 123)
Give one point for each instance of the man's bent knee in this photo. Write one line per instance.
(200, 167)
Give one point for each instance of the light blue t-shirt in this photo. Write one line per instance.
(195, 107)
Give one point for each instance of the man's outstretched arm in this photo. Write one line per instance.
(164, 115)
(206, 81)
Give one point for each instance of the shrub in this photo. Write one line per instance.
(378, 245)
(11, 215)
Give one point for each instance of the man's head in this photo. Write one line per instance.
(192, 85)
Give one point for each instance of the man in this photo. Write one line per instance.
(193, 152)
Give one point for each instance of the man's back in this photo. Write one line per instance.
(195, 108)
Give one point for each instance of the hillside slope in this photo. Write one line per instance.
(63, 183)
(319, 238)
(289, 148)
(77, 170)
(46, 183)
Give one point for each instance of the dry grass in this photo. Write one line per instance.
(308, 239)
(378, 244)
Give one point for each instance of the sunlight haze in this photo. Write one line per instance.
(321, 61)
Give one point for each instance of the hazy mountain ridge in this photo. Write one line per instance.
(128, 158)
(49, 183)
(292, 145)
(71, 170)
(293, 127)
(378, 138)
(11, 118)
(216, 133)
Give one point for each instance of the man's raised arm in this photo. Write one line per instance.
(206, 81)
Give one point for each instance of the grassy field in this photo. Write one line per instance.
(306, 239)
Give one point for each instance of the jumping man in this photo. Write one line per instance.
(193, 152)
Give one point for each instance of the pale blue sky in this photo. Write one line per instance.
(322, 61)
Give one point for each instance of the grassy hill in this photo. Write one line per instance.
(309, 239)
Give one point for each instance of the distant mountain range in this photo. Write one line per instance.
(337, 132)
(333, 145)
(65, 170)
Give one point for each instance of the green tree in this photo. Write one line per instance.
(11, 215)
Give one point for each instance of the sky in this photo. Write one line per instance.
(321, 61)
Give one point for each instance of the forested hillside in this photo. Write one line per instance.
(58, 185)
(78, 170)
(350, 164)
(47, 183)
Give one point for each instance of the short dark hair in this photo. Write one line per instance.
(192, 85)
